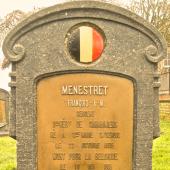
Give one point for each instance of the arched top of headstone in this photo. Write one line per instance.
(3, 94)
(91, 58)
(84, 9)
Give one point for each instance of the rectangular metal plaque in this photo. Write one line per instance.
(85, 122)
(2, 111)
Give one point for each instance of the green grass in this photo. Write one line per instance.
(7, 153)
(161, 146)
(161, 149)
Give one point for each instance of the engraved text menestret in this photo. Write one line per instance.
(85, 122)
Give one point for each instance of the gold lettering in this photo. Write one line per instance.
(61, 124)
(85, 113)
(110, 156)
(79, 124)
(103, 124)
(109, 135)
(84, 90)
(90, 145)
(82, 135)
(64, 89)
(58, 156)
(74, 156)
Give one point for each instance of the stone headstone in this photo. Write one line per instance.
(4, 113)
(84, 88)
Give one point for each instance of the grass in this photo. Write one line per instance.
(7, 153)
(161, 149)
(161, 146)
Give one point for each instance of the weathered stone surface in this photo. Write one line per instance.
(37, 49)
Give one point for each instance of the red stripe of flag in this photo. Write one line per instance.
(98, 45)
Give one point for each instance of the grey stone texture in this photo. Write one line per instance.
(37, 49)
(4, 126)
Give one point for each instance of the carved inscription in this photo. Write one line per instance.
(84, 90)
(2, 111)
(85, 122)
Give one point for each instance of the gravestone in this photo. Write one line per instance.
(84, 88)
(4, 117)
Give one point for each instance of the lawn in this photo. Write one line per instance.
(161, 150)
(161, 147)
(7, 153)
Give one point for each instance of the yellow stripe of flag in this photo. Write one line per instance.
(86, 44)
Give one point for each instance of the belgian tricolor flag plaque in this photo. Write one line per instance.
(85, 44)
